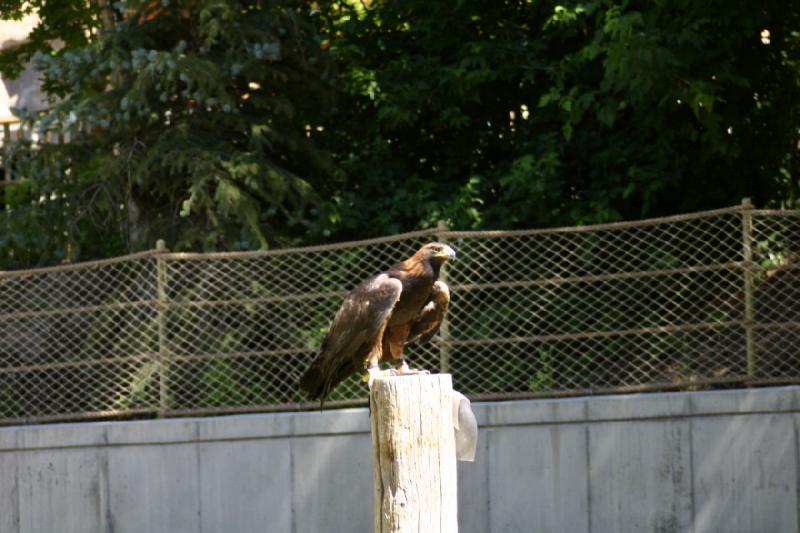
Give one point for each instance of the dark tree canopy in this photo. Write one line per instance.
(184, 121)
(239, 125)
(516, 114)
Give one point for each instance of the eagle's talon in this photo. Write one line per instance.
(371, 374)
(376, 372)
(405, 370)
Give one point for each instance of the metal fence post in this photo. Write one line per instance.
(163, 351)
(749, 315)
(444, 327)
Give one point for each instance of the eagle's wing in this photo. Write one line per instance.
(430, 317)
(355, 329)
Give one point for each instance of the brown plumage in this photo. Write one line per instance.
(430, 317)
(379, 317)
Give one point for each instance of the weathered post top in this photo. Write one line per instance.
(414, 464)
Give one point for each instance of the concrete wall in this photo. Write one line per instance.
(704, 462)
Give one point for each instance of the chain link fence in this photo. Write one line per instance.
(684, 302)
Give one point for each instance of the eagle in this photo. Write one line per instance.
(379, 318)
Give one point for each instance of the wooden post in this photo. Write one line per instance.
(163, 351)
(749, 314)
(414, 454)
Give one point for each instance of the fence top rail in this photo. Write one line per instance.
(98, 263)
(612, 226)
(472, 234)
(773, 212)
(303, 249)
(440, 233)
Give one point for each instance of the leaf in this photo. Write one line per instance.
(607, 115)
(566, 130)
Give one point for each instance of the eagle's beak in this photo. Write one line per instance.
(446, 253)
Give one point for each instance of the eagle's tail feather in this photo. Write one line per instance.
(312, 384)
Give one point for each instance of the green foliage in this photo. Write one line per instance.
(138, 387)
(240, 125)
(223, 388)
(185, 121)
(7, 400)
(543, 379)
(557, 114)
(70, 22)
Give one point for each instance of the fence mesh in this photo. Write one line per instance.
(684, 302)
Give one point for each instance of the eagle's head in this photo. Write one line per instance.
(436, 253)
